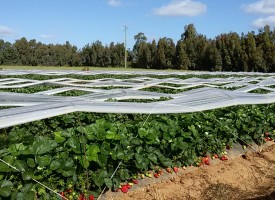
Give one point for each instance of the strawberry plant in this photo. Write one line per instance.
(78, 153)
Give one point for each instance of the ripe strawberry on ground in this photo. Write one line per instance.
(224, 157)
(169, 170)
(176, 169)
(135, 181)
(124, 189)
(268, 139)
(206, 160)
(156, 175)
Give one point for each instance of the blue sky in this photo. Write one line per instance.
(85, 21)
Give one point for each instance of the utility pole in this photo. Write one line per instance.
(125, 53)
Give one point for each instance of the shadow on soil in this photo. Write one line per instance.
(222, 191)
(267, 197)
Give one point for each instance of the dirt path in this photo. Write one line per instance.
(249, 176)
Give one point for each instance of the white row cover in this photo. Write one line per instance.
(43, 104)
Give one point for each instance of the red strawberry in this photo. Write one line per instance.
(268, 139)
(156, 175)
(216, 156)
(176, 169)
(91, 197)
(81, 197)
(135, 181)
(169, 170)
(223, 158)
(124, 189)
(207, 162)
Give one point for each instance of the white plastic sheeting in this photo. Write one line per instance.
(43, 104)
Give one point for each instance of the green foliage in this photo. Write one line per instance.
(30, 89)
(63, 151)
(260, 91)
(170, 91)
(140, 100)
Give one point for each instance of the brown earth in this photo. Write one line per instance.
(247, 176)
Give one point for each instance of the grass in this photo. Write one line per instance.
(80, 68)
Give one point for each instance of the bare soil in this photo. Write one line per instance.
(250, 176)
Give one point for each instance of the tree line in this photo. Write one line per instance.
(193, 51)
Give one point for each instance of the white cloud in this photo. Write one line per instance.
(6, 31)
(181, 8)
(261, 6)
(114, 2)
(46, 36)
(262, 21)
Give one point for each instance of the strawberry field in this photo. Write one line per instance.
(80, 154)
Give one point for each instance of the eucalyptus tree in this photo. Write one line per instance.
(212, 59)
(153, 51)
(267, 46)
(189, 37)
(143, 56)
(254, 53)
(181, 59)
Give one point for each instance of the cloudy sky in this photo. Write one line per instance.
(84, 21)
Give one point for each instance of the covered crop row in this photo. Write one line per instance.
(94, 75)
(80, 152)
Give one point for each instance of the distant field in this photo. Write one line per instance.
(76, 68)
